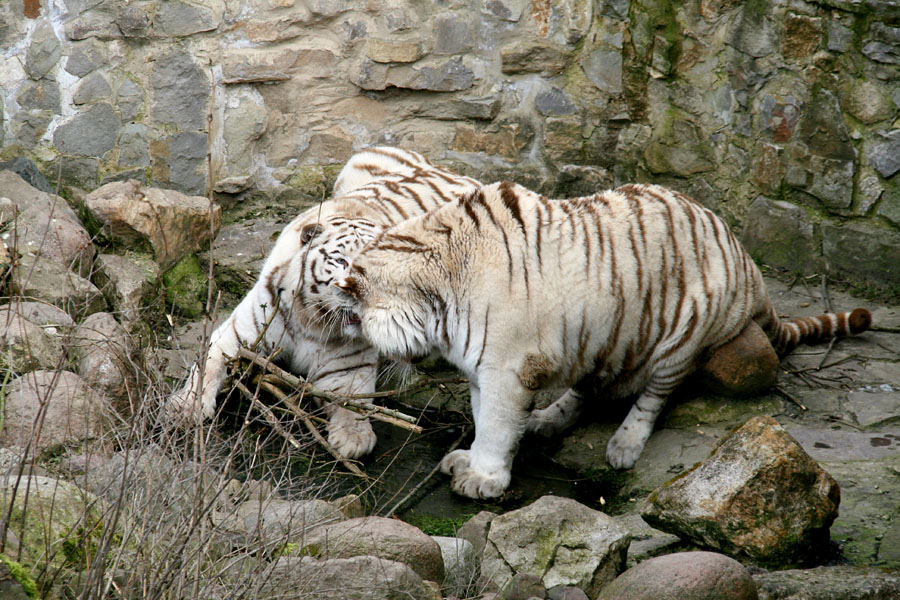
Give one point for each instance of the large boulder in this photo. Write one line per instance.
(357, 577)
(169, 222)
(758, 496)
(51, 408)
(45, 225)
(389, 539)
(686, 576)
(558, 539)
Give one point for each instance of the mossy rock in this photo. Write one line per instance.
(186, 287)
(58, 523)
(15, 582)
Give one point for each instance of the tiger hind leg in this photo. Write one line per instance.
(556, 418)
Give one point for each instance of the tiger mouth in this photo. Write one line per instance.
(351, 318)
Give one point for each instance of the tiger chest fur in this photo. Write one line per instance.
(618, 294)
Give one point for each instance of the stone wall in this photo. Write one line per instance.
(780, 115)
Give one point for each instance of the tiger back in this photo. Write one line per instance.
(621, 294)
(285, 309)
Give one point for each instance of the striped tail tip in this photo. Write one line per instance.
(814, 330)
(859, 320)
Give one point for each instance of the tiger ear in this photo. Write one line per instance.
(309, 232)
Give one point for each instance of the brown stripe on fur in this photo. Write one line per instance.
(487, 314)
(468, 204)
(511, 202)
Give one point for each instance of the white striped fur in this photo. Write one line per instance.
(376, 188)
(618, 294)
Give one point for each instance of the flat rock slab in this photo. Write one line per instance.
(843, 583)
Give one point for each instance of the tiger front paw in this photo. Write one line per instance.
(350, 434)
(625, 447)
(471, 482)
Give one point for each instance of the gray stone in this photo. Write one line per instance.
(862, 251)
(846, 583)
(449, 76)
(104, 353)
(11, 587)
(50, 281)
(884, 156)
(181, 91)
(129, 283)
(559, 540)
(28, 126)
(129, 99)
(832, 181)
(29, 172)
(245, 122)
(85, 57)
(26, 346)
(889, 207)
(133, 143)
(839, 36)
(754, 33)
(359, 577)
(884, 46)
(181, 19)
(780, 234)
(451, 34)
(185, 161)
(553, 101)
(92, 88)
(604, 69)
(72, 411)
(508, 10)
(482, 108)
(525, 586)
(475, 530)
(389, 539)
(44, 52)
(133, 20)
(533, 56)
(868, 101)
(566, 592)
(51, 318)
(42, 94)
(686, 576)
(717, 504)
(275, 520)
(91, 132)
(461, 566)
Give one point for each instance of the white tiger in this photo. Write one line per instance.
(376, 188)
(622, 292)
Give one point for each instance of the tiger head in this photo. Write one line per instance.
(317, 249)
(387, 301)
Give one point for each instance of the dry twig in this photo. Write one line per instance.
(788, 396)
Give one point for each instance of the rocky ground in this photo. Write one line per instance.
(249, 520)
